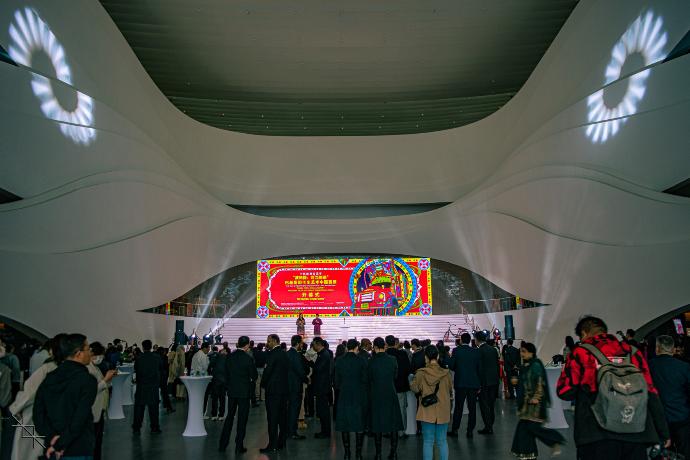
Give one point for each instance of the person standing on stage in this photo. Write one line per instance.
(321, 382)
(297, 377)
(240, 375)
(317, 326)
(300, 325)
(351, 381)
(489, 379)
(385, 416)
(274, 379)
(147, 368)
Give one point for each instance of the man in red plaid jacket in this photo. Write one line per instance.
(578, 382)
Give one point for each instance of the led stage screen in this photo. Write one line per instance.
(373, 286)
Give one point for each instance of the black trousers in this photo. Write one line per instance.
(309, 401)
(294, 405)
(242, 416)
(324, 413)
(277, 417)
(612, 450)
(462, 394)
(525, 439)
(139, 415)
(487, 405)
(98, 428)
(165, 395)
(217, 398)
(680, 435)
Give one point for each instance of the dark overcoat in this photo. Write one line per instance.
(385, 416)
(148, 367)
(351, 380)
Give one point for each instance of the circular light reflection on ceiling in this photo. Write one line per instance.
(646, 37)
(29, 33)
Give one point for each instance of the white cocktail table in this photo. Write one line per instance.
(115, 411)
(196, 387)
(127, 399)
(556, 416)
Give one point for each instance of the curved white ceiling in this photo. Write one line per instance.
(138, 217)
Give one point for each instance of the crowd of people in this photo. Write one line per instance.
(362, 386)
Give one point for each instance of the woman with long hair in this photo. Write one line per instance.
(532, 407)
(300, 325)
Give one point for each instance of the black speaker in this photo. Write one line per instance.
(509, 331)
(180, 336)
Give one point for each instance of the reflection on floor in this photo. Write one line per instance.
(119, 443)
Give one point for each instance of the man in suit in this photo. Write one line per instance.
(489, 378)
(417, 361)
(321, 381)
(465, 363)
(296, 379)
(402, 382)
(240, 375)
(511, 363)
(274, 383)
(148, 368)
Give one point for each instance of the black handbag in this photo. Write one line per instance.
(430, 400)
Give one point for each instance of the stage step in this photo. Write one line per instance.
(335, 329)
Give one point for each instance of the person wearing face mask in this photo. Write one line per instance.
(22, 407)
(101, 403)
(62, 409)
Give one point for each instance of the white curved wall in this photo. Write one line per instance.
(137, 217)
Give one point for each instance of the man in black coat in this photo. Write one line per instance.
(274, 382)
(418, 360)
(465, 364)
(672, 379)
(240, 375)
(402, 381)
(489, 379)
(148, 368)
(62, 408)
(351, 379)
(218, 384)
(511, 364)
(321, 381)
(296, 379)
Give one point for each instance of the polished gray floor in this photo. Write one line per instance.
(119, 443)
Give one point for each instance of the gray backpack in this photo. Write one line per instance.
(621, 402)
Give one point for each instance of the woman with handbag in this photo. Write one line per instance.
(532, 408)
(433, 385)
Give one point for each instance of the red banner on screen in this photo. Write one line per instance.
(344, 287)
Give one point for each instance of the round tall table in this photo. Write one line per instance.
(196, 387)
(115, 411)
(128, 369)
(556, 416)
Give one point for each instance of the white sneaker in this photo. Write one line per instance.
(214, 419)
(556, 450)
(206, 417)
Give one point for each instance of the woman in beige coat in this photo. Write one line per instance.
(435, 417)
(175, 371)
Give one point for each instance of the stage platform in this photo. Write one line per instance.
(335, 329)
